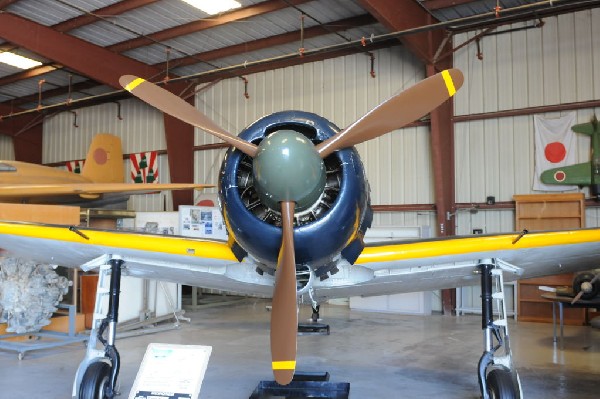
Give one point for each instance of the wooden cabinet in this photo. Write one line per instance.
(532, 307)
(547, 212)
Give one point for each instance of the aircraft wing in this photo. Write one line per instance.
(89, 190)
(579, 174)
(381, 269)
(452, 262)
(191, 261)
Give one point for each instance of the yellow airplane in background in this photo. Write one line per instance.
(100, 182)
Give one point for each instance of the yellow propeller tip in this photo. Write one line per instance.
(449, 82)
(131, 85)
(284, 365)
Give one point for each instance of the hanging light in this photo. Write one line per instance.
(212, 7)
(18, 61)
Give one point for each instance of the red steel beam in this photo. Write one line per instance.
(26, 133)
(84, 57)
(6, 3)
(111, 10)
(433, 5)
(315, 31)
(29, 73)
(399, 15)
(196, 26)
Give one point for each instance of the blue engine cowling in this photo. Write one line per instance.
(335, 224)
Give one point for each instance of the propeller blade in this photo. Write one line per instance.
(402, 109)
(577, 297)
(284, 312)
(175, 106)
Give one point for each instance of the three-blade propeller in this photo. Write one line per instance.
(585, 288)
(392, 114)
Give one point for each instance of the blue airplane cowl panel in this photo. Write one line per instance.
(316, 241)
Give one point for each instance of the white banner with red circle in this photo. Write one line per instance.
(554, 147)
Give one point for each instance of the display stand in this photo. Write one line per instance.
(44, 339)
(303, 385)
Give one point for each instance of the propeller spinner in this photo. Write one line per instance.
(290, 176)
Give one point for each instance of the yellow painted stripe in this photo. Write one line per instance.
(468, 245)
(284, 365)
(133, 84)
(449, 82)
(151, 243)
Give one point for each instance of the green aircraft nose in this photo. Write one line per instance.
(288, 168)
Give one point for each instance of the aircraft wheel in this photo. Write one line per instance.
(95, 381)
(500, 385)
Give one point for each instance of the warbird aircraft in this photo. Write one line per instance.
(101, 180)
(582, 174)
(296, 203)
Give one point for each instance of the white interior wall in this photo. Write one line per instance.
(558, 63)
(7, 151)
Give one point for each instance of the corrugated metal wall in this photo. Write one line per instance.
(558, 63)
(7, 150)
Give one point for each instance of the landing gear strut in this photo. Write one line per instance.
(498, 379)
(100, 368)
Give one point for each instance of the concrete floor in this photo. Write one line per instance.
(380, 355)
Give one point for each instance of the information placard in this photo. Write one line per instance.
(170, 371)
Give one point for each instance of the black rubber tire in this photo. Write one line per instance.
(586, 277)
(95, 380)
(500, 385)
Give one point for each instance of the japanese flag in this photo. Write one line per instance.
(554, 147)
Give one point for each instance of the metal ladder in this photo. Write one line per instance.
(501, 321)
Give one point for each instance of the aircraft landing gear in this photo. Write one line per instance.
(315, 313)
(498, 379)
(314, 327)
(100, 368)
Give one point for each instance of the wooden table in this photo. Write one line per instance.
(563, 301)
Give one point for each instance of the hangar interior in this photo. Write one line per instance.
(453, 172)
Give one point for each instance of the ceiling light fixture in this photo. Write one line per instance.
(214, 7)
(18, 60)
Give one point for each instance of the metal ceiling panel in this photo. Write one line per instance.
(44, 12)
(146, 20)
(7, 70)
(256, 28)
(103, 33)
(275, 51)
(472, 8)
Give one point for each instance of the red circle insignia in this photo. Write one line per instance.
(560, 176)
(100, 156)
(555, 152)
